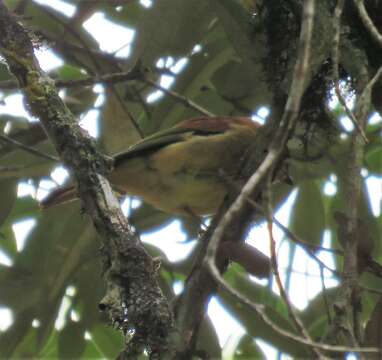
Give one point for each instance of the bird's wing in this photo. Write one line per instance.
(179, 133)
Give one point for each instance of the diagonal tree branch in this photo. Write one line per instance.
(130, 273)
(368, 22)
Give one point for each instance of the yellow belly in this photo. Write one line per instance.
(185, 195)
(173, 192)
(184, 177)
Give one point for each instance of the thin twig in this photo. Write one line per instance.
(71, 30)
(182, 99)
(349, 113)
(325, 295)
(112, 78)
(335, 58)
(372, 82)
(272, 244)
(10, 168)
(374, 268)
(98, 67)
(306, 273)
(28, 148)
(128, 112)
(368, 22)
(305, 245)
(371, 290)
(293, 236)
(261, 312)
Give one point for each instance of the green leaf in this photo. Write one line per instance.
(23, 208)
(314, 316)
(16, 334)
(21, 164)
(373, 159)
(8, 197)
(71, 341)
(107, 340)
(146, 218)
(365, 216)
(248, 43)
(208, 339)
(373, 330)
(47, 265)
(254, 325)
(27, 133)
(171, 28)
(70, 72)
(127, 15)
(191, 82)
(50, 350)
(117, 129)
(79, 100)
(4, 72)
(234, 82)
(308, 213)
(242, 347)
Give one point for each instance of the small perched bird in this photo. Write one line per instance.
(183, 170)
(186, 170)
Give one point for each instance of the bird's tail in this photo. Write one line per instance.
(59, 196)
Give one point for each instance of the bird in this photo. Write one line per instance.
(187, 169)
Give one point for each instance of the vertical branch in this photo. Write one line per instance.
(344, 328)
(347, 326)
(353, 188)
